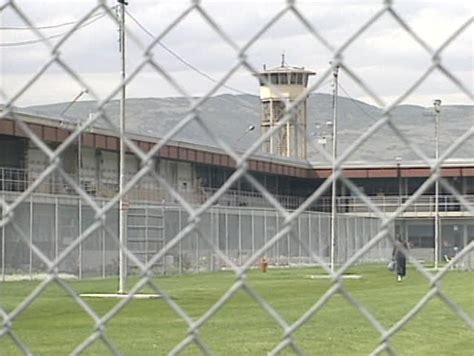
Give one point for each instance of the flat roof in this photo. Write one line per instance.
(53, 129)
(286, 69)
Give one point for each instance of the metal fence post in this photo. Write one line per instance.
(180, 247)
(239, 217)
(277, 249)
(320, 240)
(226, 217)
(213, 238)
(147, 221)
(31, 237)
(80, 233)
(3, 252)
(265, 228)
(310, 236)
(103, 243)
(56, 229)
(357, 244)
(252, 224)
(196, 257)
(300, 237)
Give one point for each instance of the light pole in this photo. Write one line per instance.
(76, 98)
(334, 156)
(79, 143)
(249, 129)
(437, 109)
(122, 212)
(78, 124)
(79, 168)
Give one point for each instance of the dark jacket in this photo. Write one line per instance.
(400, 258)
(397, 253)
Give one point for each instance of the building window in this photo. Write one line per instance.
(284, 78)
(470, 233)
(469, 185)
(421, 236)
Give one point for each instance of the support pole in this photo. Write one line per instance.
(334, 156)
(240, 236)
(253, 231)
(31, 238)
(3, 252)
(122, 233)
(299, 236)
(213, 239)
(147, 222)
(103, 243)
(180, 247)
(321, 245)
(56, 229)
(79, 205)
(196, 257)
(437, 109)
(398, 159)
(265, 229)
(79, 229)
(310, 236)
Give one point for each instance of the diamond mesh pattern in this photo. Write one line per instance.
(195, 214)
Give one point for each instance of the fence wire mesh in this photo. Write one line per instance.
(238, 231)
(276, 231)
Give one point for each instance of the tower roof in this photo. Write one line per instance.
(287, 69)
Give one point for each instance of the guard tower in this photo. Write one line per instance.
(280, 86)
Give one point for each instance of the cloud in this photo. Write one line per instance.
(385, 56)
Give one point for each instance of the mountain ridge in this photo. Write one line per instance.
(416, 123)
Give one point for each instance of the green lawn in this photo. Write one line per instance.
(54, 324)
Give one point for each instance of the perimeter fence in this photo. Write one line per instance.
(53, 223)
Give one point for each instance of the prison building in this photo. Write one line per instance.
(197, 172)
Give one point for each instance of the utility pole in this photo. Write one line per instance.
(122, 212)
(437, 109)
(334, 156)
(79, 168)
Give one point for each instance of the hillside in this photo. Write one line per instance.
(230, 115)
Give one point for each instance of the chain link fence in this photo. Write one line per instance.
(70, 234)
(53, 223)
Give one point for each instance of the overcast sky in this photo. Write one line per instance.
(385, 56)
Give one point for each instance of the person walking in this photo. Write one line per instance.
(400, 259)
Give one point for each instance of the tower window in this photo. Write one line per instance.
(293, 78)
(284, 78)
(274, 78)
(264, 79)
(266, 119)
(299, 79)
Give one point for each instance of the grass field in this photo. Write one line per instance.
(54, 324)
